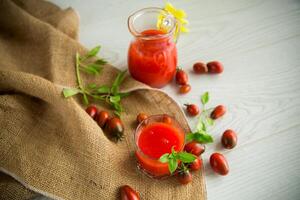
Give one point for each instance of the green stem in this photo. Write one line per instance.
(78, 73)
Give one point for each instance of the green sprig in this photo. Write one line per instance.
(174, 157)
(110, 95)
(200, 134)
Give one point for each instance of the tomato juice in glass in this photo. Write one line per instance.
(154, 137)
(152, 55)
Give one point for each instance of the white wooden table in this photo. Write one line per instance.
(259, 43)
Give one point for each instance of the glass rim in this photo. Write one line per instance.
(138, 13)
(141, 124)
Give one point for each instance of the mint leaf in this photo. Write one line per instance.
(172, 164)
(103, 89)
(68, 92)
(164, 158)
(116, 84)
(205, 98)
(91, 69)
(186, 157)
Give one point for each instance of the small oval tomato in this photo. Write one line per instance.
(102, 118)
(184, 177)
(229, 139)
(218, 112)
(219, 164)
(115, 128)
(195, 148)
(92, 111)
(196, 165)
(141, 117)
(181, 77)
(184, 89)
(215, 67)
(127, 193)
(192, 109)
(200, 68)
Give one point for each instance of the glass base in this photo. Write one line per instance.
(148, 174)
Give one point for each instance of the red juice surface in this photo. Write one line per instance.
(155, 140)
(153, 61)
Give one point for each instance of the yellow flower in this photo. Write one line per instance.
(179, 14)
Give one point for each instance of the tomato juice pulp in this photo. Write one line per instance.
(152, 58)
(153, 141)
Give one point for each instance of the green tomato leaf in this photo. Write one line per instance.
(68, 92)
(205, 98)
(164, 158)
(172, 164)
(186, 157)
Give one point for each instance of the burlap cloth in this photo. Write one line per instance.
(48, 143)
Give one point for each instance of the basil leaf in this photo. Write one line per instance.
(164, 158)
(186, 157)
(103, 89)
(189, 137)
(92, 52)
(172, 164)
(68, 92)
(116, 84)
(205, 98)
(203, 138)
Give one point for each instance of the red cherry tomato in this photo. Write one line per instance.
(102, 118)
(196, 165)
(184, 177)
(219, 164)
(92, 111)
(184, 89)
(192, 109)
(195, 148)
(181, 77)
(127, 193)
(218, 112)
(115, 128)
(141, 117)
(229, 139)
(200, 68)
(215, 67)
